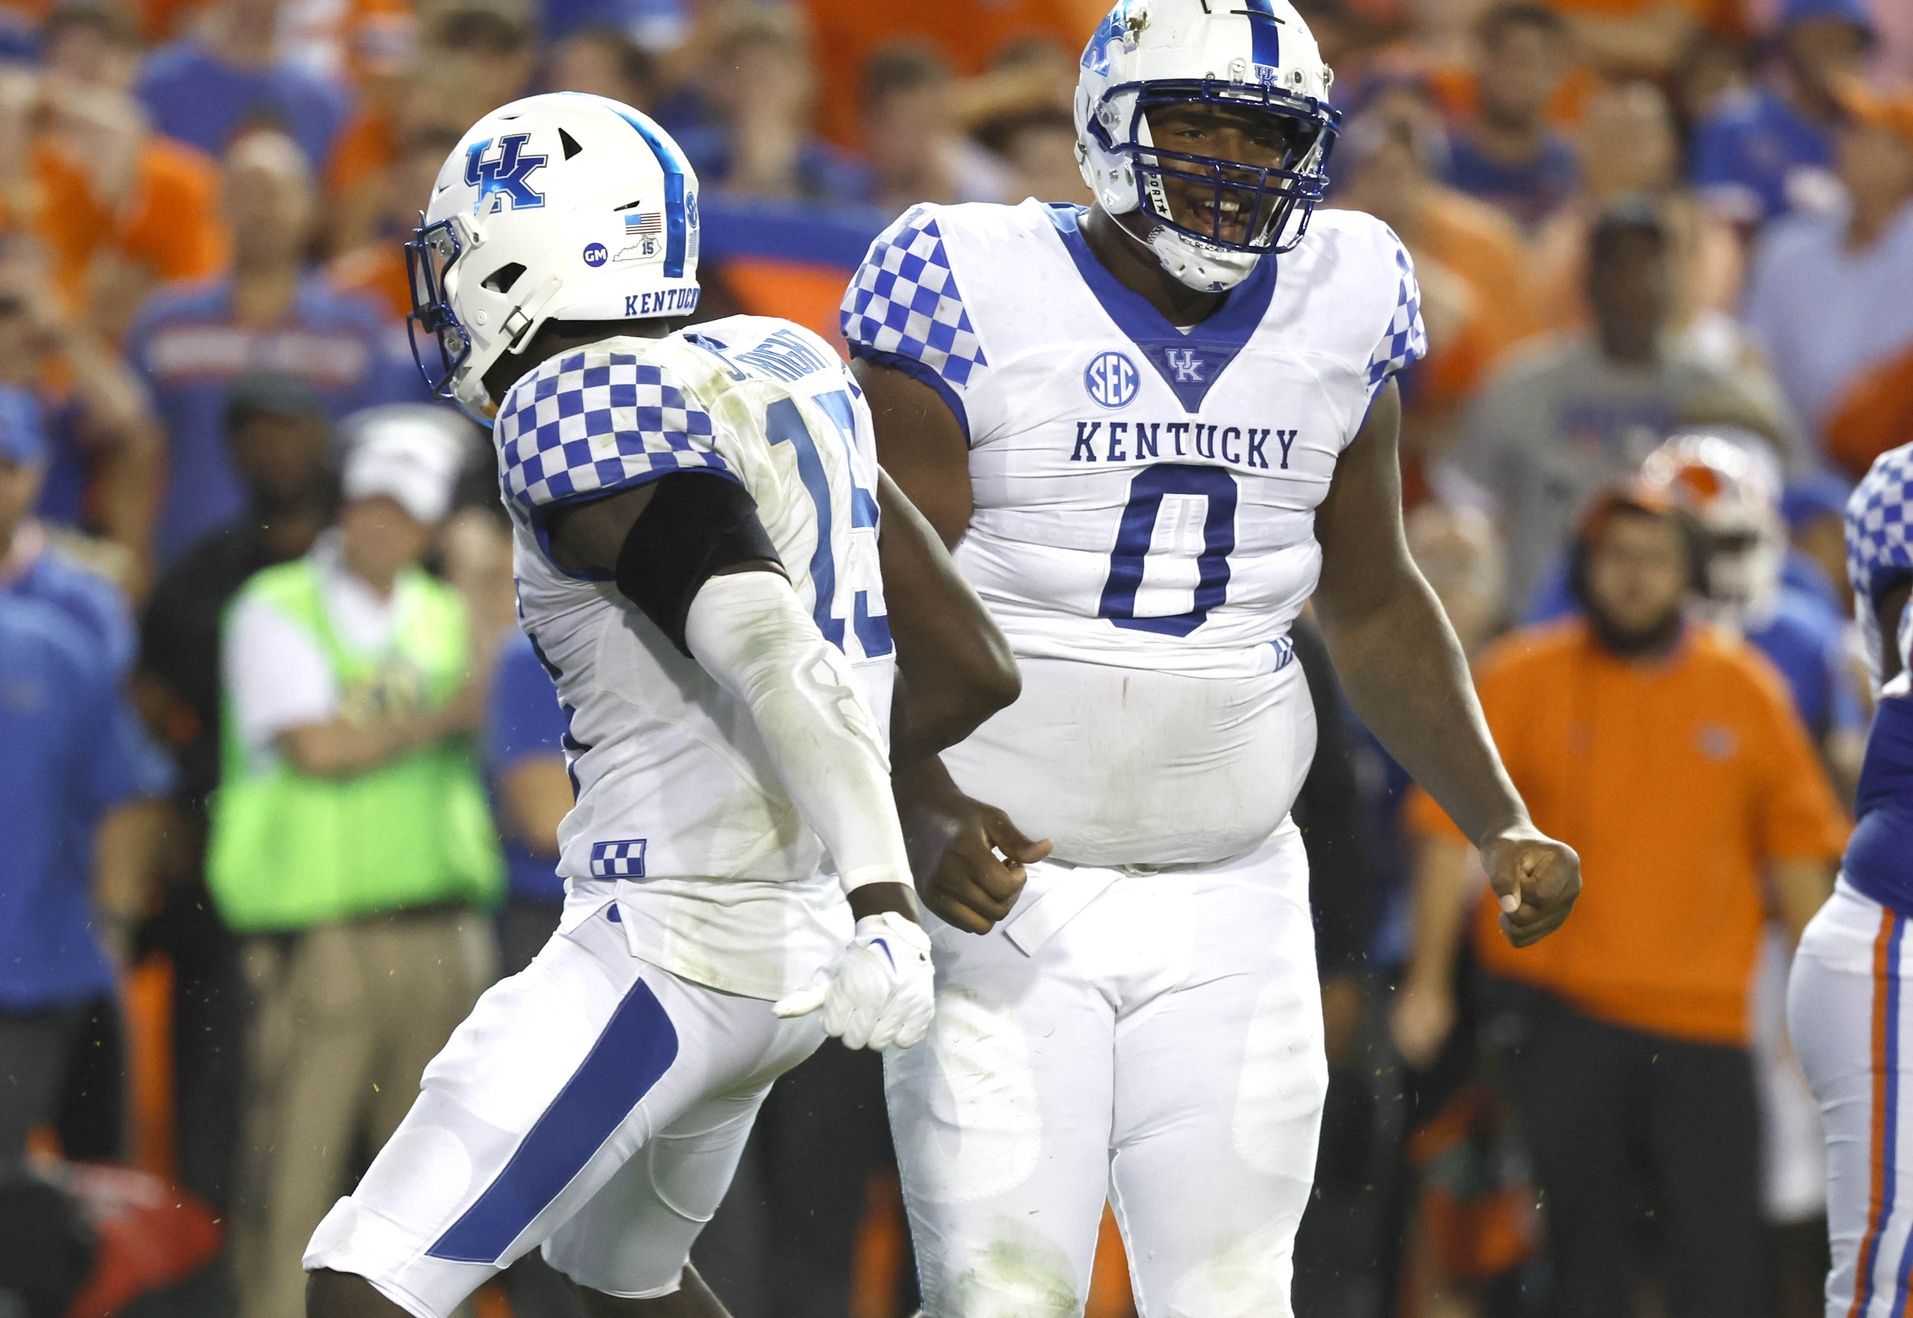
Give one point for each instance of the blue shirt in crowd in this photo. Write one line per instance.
(1746, 151)
(200, 99)
(191, 350)
(523, 719)
(72, 752)
(1529, 191)
(88, 600)
(829, 175)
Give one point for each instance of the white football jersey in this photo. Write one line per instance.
(1145, 502)
(679, 813)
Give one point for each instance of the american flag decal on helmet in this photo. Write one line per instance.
(637, 223)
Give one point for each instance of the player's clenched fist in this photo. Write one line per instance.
(968, 856)
(1535, 879)
(881, 993)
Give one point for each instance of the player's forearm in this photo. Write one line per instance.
(751, 634)
(1408, 680)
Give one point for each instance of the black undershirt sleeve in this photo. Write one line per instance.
(694, 527)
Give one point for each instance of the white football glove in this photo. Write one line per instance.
(880, 993)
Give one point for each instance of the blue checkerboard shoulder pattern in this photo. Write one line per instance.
(904, 302)
(1405, 341)
(1880, 525)
(618, 860)
(593, 421)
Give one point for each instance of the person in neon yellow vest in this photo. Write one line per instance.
(351, 840)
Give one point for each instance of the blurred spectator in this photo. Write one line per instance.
(1827, 295)
(851, 34)
(1585, 410)
(277, 433)
(1506, 152)
(347, 42)
(70, 783)
(1632, 38)
(1021, 111)
(1814, 508)
(1477, 294)
(349, 838)
(911, 137)
(33, 565)
(375, 269)
(1731, 485)
(1762, 150)
(117, 208)
(207, 88)
(762, 86)
(651, 24)
(604, 61)
(474, 56)
(1630, 145)
(104, 442)
(272, 314)
(1668, 756)
(531, 792)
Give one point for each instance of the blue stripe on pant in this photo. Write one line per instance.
(637, 1047)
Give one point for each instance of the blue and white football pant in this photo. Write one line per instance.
(1849, 1011)
(1151, 1039)
(593, 1104)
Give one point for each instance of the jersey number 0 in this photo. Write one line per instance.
(1217, 489)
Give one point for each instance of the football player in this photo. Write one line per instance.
(1152, 429)
(1847, 1005)
(702, 544)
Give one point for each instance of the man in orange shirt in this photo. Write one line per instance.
(1670, 757)
(117, 208)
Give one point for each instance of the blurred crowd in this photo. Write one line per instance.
(1665, 251)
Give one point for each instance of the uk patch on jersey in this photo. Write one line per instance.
(592, 422)
(618, 860)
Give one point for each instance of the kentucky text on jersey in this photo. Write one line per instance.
(1144, 441)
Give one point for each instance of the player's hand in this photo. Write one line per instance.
(881, 992)
(968, 856)
(1535, 879)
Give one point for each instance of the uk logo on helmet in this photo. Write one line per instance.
(505, 175)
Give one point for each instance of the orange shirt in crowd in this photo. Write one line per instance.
(376, 270)
(1479, 246)
(1872, 414)
(1678, 780)
(970, 36)
(169, 224)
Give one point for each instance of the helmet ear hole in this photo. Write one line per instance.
(501, 279)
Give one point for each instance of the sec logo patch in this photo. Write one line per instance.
(596, 255)
(1112, 380)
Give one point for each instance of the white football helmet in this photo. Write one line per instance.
(1254, 54)
(557, 207)
(1731, 481)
